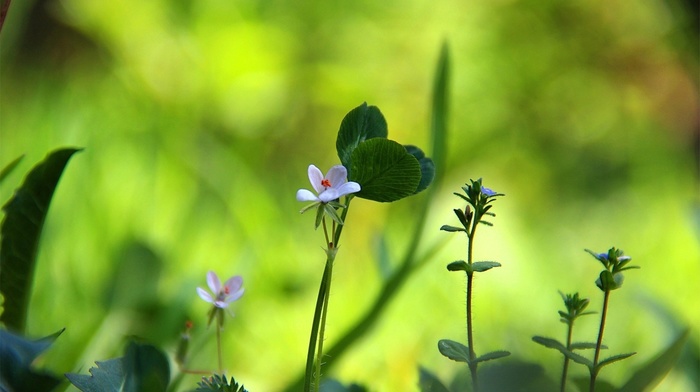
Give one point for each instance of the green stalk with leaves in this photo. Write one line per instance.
(478, 198)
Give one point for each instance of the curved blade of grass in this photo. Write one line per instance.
(21, 229)
(649, 375)
(9, 168)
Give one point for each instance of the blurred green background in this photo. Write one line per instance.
(200, 117)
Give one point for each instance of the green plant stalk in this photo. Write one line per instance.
(599, 343)
(470, 335)
(218, 339)
(565, 369)
(319, 321)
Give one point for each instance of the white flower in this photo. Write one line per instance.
(331, 187)
(223, 295)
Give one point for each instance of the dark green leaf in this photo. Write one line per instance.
(16, 357)
(360, 124)
(459, 265)
(514, 376)
(481, 266)
(614, 358)
(451, 228)
(649, 375)
(146, 368)
(108, 376)
(492, 355)
(384, 170)
(10, 167)
(21, 229)
(601, 385)
(217, 383)
(454, 350)
(552, 343)
(586, 346)
(440, 102)
(427, 167)
(428, 382)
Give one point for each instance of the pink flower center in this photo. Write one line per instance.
(326, 183)
(227, 291)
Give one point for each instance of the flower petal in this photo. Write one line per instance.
(221, 304)
(204, 295)
(235, 295)
(233, 284)
(348, 187)
(315, 177)
(306, 195)
(329, 194)
(337, 175)
(213, 282)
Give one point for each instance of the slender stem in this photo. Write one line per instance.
(319, 355)
(470, 336)
(565, 370)
(319, 321)
(599, 343)
(218, 347)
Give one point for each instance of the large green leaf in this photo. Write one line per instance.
(646, 377)
(108, 376)
(385, 170)
(428, 382)
(455, 351)
(10, 167)
(16, 357)
(21, 229)
(360, 124)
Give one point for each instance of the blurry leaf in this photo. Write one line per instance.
(16, 357)
(614, 358)
(601, 385)
(454, 350)
(10, 167)
(21, 229)
(217, 383)
(360, 124)
(108, 376)
(649, 375)
(552, 343)
(438, 126)
(384, 170)
(514, 376)
(383, 258)
(481, 266)
(427, 168)
(428, 382)
(452, 228)
(143, 368)
(492, 355)
(331, 385)
(135, 277)
(3, 12)
(146, 368)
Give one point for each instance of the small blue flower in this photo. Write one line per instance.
(488, 191)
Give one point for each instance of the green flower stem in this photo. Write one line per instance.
(599, 343)
(319, 322)
(565, 369)
(218, 347)
(470, 335)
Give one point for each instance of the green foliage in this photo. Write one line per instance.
(21, 229)
(142, 368)
(16, 356)
(455, 351)
(428, 382)
(386, 170)
(217, 383)
(650, 374)
(331, 385)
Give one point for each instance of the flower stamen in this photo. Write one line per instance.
(326, 183)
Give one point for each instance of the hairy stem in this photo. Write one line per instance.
(599, 343)
(470, 335)
(565, 369)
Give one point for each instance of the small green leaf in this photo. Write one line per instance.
(440, 109)
(146, 368)
(459, 265)
(21, 230)
(217, 383)
(481, 266)
(384, 170)
(552, 343)
(360, 124)
(452, 228)
(10, 167)
(614, 358)
(427, 167)
(454, 350)
(428, 382)
(586, 346)
(492, 355)
(649, 375)
(330, 211)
